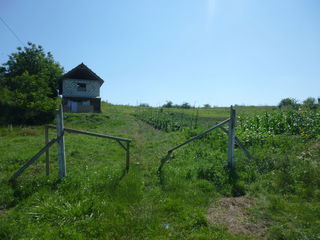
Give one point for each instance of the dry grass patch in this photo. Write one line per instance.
(233, 214)
(2, 212)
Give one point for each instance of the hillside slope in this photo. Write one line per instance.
(96, 201)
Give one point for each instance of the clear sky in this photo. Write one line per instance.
(220, 52)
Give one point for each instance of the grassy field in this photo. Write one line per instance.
(96, 201)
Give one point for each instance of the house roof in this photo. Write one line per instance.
(82, 72)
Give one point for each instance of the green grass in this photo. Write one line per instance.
(96, 201)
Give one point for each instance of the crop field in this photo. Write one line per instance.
(277, 192)
(178, 119)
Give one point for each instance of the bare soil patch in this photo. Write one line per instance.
(233, 214)
(2, 211)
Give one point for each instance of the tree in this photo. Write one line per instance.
(207, 105)
(168, 104)
(28, 81)
(185, 105)
(144, 105)
(310, 103)
(288, 103)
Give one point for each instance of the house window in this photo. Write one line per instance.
(82, 87)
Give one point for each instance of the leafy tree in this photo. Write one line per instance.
(310, 103)
(185, 105)
(144, 105)
(28, 81)
(168, 104)
(207, 105)
(288, 103)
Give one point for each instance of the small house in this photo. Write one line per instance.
(80, 90)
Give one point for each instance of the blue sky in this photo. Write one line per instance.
(220, 52)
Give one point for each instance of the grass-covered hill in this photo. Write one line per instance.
(275, 195)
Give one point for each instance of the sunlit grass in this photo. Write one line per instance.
(96, 201)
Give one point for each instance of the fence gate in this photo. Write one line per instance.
(232, 139)
(60, 130)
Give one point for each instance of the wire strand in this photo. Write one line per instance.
(10, 29)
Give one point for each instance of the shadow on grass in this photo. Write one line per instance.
(237, 189)
(17, 191)
(233, 179)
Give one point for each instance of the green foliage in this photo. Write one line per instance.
(310, 103)
(28, 83)
(259, 128)
(144, 105)
(168, 104)
(185, 105)
(167, 120)
(288, 103)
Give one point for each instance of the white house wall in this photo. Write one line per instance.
(70, 88)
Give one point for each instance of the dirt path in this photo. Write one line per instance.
(233, 214)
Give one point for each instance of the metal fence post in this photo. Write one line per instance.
(60, 137)
(231, 139)
(46, 133)
(128, 157)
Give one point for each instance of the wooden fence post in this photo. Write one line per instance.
(231, 139)
(60, 137)
(46, 133)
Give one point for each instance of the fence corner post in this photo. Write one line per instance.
(231, 139)
(60, 138)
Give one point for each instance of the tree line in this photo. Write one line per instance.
(290, 103)
(285, 104)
